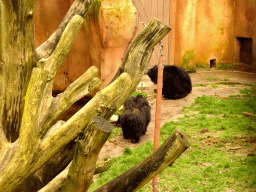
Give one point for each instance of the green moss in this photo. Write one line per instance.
(188, 60)
(134, 94)
(226, 65)
(94, 11)
(202, 64)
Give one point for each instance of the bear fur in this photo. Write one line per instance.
(176, 81)
(135, 118)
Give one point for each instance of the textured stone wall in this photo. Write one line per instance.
(101, 42)
(203, 30)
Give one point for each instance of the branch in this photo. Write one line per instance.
(75, 125)
(56, 59)
(140, 174)
(87, 151)
(144, 46)
(52, 143)
(3, 139)
(28, 130)
(79, 7)
(140, 51)
(137, 58)
(103, 165)
(54, 128)
(249, 114)
(52, 108)
(57, 183)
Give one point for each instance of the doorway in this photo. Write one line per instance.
(213, 63)
(244, 50)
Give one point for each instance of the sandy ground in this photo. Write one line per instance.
(171, 109)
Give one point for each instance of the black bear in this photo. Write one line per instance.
(135, 118)
(176, 81)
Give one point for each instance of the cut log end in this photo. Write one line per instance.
(102, 125)
(182, 137)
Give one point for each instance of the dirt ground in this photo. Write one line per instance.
(171, 109)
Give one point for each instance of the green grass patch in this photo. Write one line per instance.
(216, 160)
(201, 85)
(216, 79)
(136, 93)
(116, 132)
(226, 66)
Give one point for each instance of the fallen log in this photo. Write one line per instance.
(140, 174)
(249, 114)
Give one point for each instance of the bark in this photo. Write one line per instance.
(16, 62)
(249, 114)
(29, 105)
(27, 159)
(79, 7)
(137, 59)
(57, 183)
(140, 50)
(103, 165)
(156, 30)
(87, 151)
(140, 174)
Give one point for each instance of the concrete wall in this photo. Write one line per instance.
(203, 30)
(101, 42)
(245, 25)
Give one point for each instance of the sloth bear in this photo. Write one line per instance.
(135, 118)
(176, 81)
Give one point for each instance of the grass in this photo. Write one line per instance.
(216, 79)
(218, 160)
(218, 84)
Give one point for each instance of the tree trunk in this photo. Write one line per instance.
(27, 107)
(87, 151)
(57, 183)
(79, 7)
(140, 174)
(137, 59)
(16, 57)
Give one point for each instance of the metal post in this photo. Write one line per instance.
(158, 112)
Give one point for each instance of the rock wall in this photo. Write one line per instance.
(210, 30)
(101, 42)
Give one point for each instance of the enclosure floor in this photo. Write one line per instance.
(171, 109)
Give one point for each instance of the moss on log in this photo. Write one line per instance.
(140, 174)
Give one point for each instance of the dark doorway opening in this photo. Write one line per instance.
(244, 50)
(213, 63)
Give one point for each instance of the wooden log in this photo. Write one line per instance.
(57, 183)
(249, 114)
(140, 174)
(140, 51)
(87, 151)
(79, 7)
(103, 165)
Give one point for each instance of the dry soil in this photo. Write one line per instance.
(171, 109)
